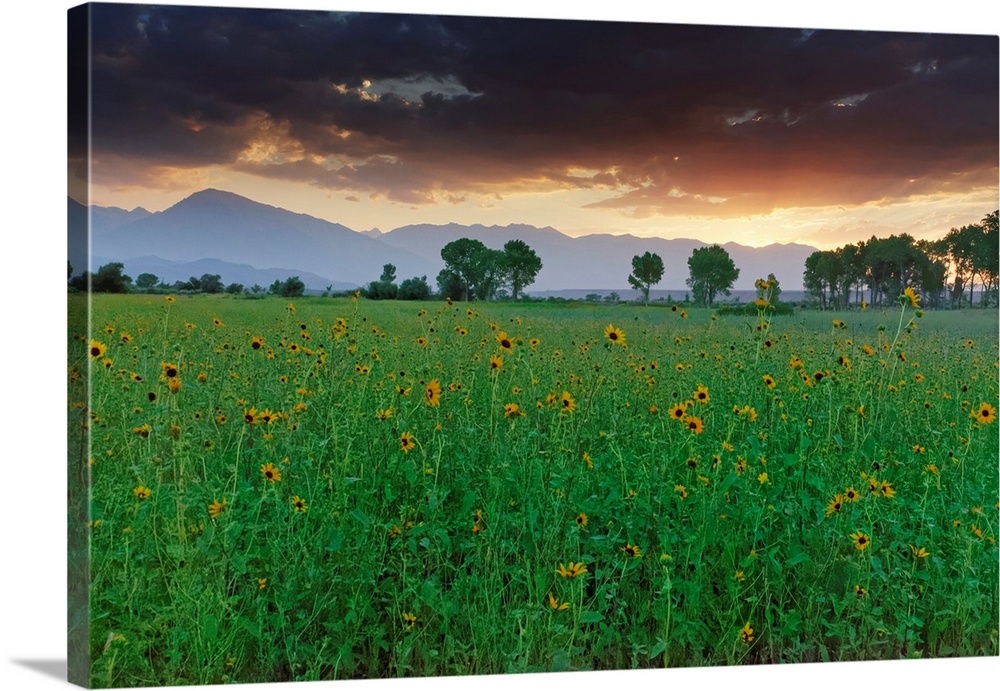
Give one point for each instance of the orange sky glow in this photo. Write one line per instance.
(750, 135)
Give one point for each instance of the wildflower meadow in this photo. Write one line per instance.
(336, 488)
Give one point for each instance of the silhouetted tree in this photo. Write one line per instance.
(463, 261)
(384, 288)
(647, 271)
(712, 271)
(291, 287)
(414, 289)
(108, 279)
(451, 285)
(211, 283)
(145, 281)
(521, 265)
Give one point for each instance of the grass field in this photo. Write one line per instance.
(342, 489)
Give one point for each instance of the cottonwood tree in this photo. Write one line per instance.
(385, 287)
(464, 266)
(473, 270)
(145, 281)
(414, 289)
(647, 271)
(712, 271)
(521, 265)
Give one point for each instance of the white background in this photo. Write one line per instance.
(32, 386)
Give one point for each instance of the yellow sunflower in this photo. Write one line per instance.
(701, 394)
(614, 334)
(985, 413)
(835, 505)
(432, 394)
(271, 472)
(631, 550)
(694, 424)
(861, 541)
(567, 402)
(513, 410)
(216, 508)
(573, 570)
(505, 342)
(556, 605)
(406, 442)
(97, 349)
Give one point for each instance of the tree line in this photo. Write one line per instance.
(875, 271)
(111, 278)
(872, 272)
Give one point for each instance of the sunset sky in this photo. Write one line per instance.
(751, 135)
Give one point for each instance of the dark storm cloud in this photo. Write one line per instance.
(674, 119)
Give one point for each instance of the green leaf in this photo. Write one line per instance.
(361, 518)
(658, 648)
(334, 539)
(797, 559)
(591, 617)
(877, 567)
(209, 626)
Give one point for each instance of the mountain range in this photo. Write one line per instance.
(247, 242)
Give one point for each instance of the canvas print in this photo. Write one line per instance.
(416, 346)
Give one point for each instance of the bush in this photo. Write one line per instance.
(380, 290)
(415, 289)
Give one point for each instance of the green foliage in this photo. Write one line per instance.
(451, 286)
(466, 263)
(967, 256)
(145, 281)
(380, 290)
(750, 309)
(474, 271)
(647, 271)
(291, 287)
(211, 283)
(521, 265)
(415, 289)
(712, 272)
(388, 274)
(368, 559)
(108, 279)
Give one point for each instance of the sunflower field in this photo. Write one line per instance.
(337, 488)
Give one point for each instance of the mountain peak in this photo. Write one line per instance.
(214, 196)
